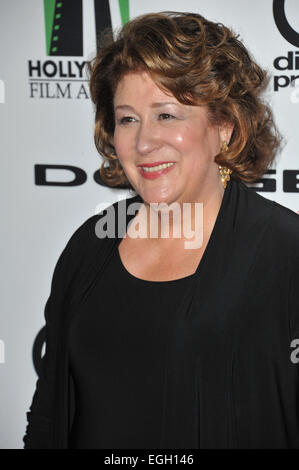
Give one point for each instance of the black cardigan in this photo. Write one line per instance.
(239, 333)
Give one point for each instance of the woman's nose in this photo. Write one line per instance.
(147, 138)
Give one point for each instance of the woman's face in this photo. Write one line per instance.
(151, 126)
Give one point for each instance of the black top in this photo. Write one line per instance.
(231, 356)
(118, 359)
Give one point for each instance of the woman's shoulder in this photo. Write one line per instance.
(284, 226)
(283, 223)
(86, 237)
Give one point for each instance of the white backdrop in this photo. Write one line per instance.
(48, 120)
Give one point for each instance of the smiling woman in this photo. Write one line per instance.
(159, 144)
(195, 62)
(149, 344)
(150, 132)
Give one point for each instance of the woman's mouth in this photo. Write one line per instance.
(155, 171)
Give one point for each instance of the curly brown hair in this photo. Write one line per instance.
(201, 63)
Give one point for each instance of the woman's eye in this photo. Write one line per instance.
(165, 114)
(124, 120)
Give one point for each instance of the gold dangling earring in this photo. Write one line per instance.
(224, 172)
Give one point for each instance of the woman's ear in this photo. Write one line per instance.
(225, 132)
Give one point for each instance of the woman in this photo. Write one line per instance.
(150, 344)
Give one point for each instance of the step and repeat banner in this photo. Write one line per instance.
(50, 180)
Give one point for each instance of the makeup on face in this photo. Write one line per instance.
(151, 171)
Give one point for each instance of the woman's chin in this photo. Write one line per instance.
(155, 196)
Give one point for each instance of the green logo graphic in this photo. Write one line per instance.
(64, 24)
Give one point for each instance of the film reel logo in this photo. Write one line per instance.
(64, 24)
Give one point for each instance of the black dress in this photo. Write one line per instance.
(206, 362)
(118, 359)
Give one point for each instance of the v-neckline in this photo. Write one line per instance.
(212, 239)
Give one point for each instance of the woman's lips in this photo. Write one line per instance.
(150, 175)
